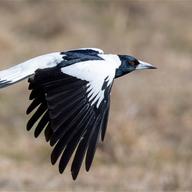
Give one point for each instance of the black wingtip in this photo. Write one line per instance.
(29, 126)
(36, 134)
(52, 142)
(53, 160)
(46, 139)
(102, 136)
(27, 112)
(61, 170)
(89, 158)
(88, 165)
(74, 174)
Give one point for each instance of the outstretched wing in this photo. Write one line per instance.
(71, 105)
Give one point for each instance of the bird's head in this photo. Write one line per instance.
(129, 64)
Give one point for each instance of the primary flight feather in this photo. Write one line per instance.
(70, 99)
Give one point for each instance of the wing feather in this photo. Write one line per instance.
(33, 105)
(72, 111)
(68, 136)
(105, 121)
(92, 144)
(72, 146)
(41, 109)
(68, 105)
(69, 120)
(81, 150)
(48, 132)
(42, 123)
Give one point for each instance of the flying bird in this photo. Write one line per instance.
(70, 99)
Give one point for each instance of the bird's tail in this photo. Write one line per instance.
(12, 75)
(28, 68)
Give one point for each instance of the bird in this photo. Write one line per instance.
(70, 99)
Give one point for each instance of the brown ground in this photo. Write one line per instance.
(148, 146)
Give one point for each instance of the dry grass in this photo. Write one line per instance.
(148, 145)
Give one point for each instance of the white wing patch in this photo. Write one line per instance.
(95, 72)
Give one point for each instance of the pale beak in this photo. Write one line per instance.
(144, 65)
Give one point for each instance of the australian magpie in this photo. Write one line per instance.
(70, 99)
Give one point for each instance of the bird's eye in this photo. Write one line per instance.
(132, 63)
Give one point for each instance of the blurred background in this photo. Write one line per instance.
(148, 145)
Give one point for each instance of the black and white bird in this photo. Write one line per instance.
(70, 94)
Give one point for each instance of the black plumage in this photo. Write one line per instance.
(69, 119)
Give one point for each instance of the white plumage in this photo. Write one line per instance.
(28, 68)
(95, 72)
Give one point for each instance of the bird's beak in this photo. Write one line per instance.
(144, 65)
